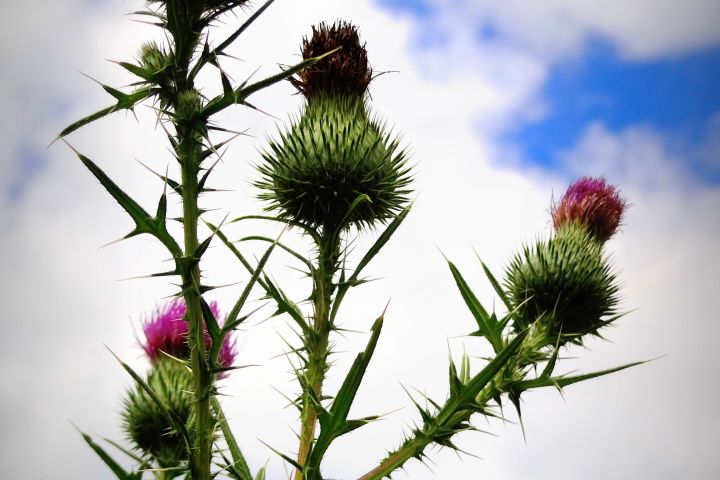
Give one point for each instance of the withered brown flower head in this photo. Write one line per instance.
(345, 72)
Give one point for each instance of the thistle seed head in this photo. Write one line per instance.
(592, 203)
(147, 425)
(566, 281)
(166, 332)
(345, 72)
(330, 157)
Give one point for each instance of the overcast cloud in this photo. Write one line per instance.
(456, 95)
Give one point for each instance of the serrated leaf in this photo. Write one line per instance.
(369, 255)
(334, 423)
(286, 305)
(565, 380)
(237, 253)
(239, 463)
(141, 72)
(240, 94)
(487, 328)
(125, 102)
(144, 223)
(114, 466)
(235, 312)
(496, 285)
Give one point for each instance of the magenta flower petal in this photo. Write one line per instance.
(593, 203)
(167, 330)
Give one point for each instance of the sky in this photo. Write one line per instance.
(502, 105)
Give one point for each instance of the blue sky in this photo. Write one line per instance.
(675, 95)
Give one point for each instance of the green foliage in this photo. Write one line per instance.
(329, 158)
(566, 281)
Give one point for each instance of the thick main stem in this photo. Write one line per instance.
(317, 346)
(190, 150)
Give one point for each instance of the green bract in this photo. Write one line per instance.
(328, 159)
(145, 422)
(566, 281)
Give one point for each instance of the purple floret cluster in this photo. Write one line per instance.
(592, 203)
(167, 331)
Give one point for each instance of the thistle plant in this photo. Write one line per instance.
(334, 171)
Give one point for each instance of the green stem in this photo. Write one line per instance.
(317, 345)
(451, 414)
(190, 151)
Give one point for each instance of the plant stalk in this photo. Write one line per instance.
(451, 414)
(189, 153)
(190, 150)
(317, 346)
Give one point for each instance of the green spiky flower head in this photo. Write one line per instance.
(566, 282)
(147, 425)
(335, 165)
(328, 159)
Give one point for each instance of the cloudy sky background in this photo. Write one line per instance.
(502, 105)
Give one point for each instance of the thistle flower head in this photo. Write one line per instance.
(329, 158)
(345, 72)
(592, 203)
(166, 332)
(565, 281)
(147, 424)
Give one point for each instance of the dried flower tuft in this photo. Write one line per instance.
(346, 72)
(592, 203)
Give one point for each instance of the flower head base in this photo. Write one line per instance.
(566, 282)
(345, 72)
(591, 203)
(327, 160)
(167, 331)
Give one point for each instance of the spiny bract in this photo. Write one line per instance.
(147, 425)
(329, 158)
(566, 281)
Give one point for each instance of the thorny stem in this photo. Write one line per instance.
(450, 414)
(189, 153)
(317, 345)
(202, 378)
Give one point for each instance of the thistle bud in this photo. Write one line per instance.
(346, 72)
(335, 153)
(188, 106)
(593, 204)
(153, 58)
(147, 425)
(565, 281)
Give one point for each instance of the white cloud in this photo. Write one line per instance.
(637, 156)
(640, 30)
(63, 302)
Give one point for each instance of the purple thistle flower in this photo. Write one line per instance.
(593, 203)
(167, 332)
